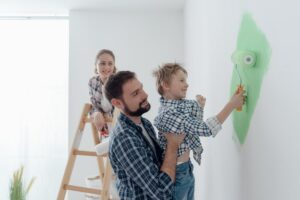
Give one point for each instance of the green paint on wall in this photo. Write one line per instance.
(250, 38)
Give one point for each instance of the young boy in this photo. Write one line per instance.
(179, 115)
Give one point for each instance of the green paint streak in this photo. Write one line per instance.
(252, 39)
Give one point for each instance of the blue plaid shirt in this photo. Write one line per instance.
(135, 164)
(185, 116)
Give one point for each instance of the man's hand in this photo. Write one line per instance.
(170, 160)
(174, 140)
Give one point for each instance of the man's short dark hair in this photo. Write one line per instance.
(114, 85)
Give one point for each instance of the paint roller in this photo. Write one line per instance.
(246, 59)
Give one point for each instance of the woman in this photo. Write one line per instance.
(102, 109)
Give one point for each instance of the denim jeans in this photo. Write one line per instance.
(185, 182)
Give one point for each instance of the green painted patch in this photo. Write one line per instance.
(250, 38)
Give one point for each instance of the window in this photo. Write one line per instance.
(34, 103)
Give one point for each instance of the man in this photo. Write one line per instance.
(133, 151)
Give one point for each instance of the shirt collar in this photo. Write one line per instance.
(127, 120)
(171, 102)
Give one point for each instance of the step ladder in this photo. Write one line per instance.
(105, 172)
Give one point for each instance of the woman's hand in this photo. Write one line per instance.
(99, 120)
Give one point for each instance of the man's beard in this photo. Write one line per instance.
(138, 112)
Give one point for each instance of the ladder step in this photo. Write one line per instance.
(88, 153)
(82, 189)
(84, 153)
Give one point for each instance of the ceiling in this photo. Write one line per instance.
(62, 7)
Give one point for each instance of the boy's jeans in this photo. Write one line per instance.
(185, 182)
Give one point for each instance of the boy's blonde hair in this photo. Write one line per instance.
(164, 74)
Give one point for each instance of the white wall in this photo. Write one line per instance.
(266, 166)
(209, 40)
(141, 41)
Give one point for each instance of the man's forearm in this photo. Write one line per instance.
(170, 161)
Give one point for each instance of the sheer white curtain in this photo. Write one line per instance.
(34, 103)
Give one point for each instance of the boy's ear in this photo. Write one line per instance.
(165, 86)
(117, 103)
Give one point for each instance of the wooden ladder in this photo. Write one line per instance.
(105, 172)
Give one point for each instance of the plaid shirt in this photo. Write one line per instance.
(185, 116)
(97, 95)
(135, 164)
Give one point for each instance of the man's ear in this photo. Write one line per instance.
(117, 103)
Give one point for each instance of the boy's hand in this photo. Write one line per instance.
(201, 100)
(238, 99)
